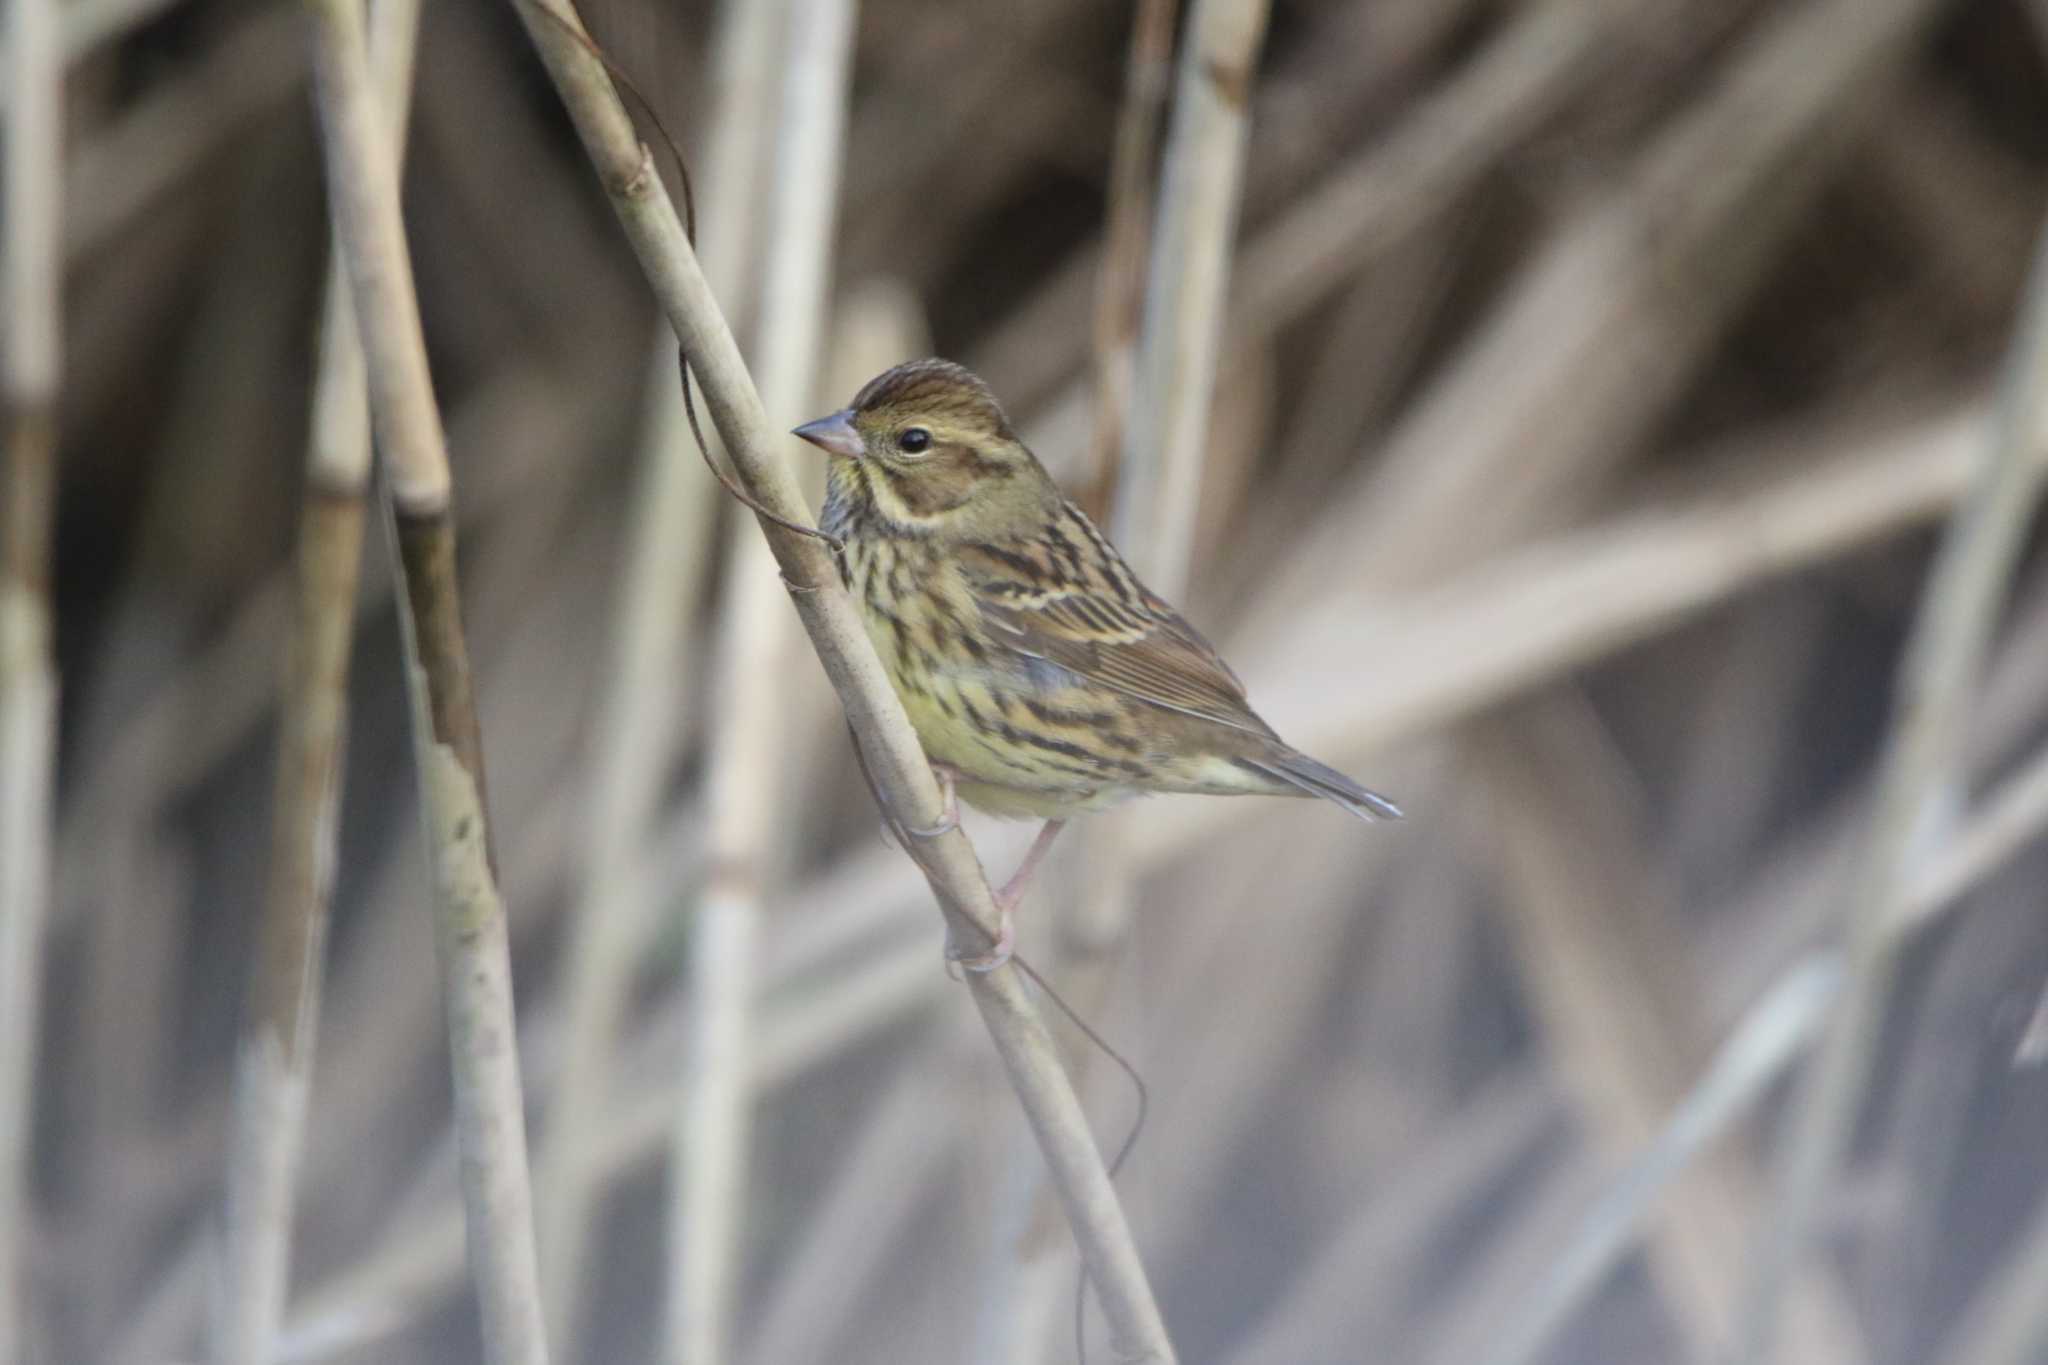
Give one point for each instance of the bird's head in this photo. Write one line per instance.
(927, 449)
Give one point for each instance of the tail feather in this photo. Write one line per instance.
(1311, 778)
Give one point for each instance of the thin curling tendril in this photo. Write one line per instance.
(675, 153)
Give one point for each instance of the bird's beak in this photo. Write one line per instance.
(834, 434)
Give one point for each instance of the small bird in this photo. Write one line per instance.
(1042, 677)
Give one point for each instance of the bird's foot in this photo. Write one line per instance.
(894, 830)
(1006, 900)
(998, 952)
(949, 815)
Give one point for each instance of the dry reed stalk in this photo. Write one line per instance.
(31, 278)
(181, 732)
(420, 1256)
(131, 953)
(709, 1163)
(1358, 1125)
(1159, 481)
(1026, 1301)
(647, 697)
(905, 781)
(646, 702)
(1943, 659)
(383, 986)
(424, 1256)
(469, 915)
(1119, 285)
(877, 322)
(275, 1051)
(1412, 176)
(274, 1058)
(1358, 58)
(1157, 467)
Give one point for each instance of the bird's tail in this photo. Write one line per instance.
(1311, 778)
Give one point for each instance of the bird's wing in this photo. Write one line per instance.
(1086, 613)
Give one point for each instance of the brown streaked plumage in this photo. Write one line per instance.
(1042, 677)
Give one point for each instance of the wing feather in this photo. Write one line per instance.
(1105, 628)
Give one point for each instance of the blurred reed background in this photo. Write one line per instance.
(1591, 383)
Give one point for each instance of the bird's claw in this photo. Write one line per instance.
(998, 952)
(949, 817)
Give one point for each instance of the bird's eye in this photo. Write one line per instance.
(914, 440)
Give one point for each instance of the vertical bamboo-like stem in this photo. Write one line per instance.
(275, 1056)
(31, 276)
(1185, 290)
(1120, 279)
(670, 546)
(1942, 661)
(896, 762)
(469, 917)
(647, 697)
(709, 1166)
(1160, 482)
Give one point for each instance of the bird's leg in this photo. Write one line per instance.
(1013, 889)
(1008, 899)
(949, 815)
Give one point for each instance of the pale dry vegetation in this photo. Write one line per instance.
(1567, 402)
